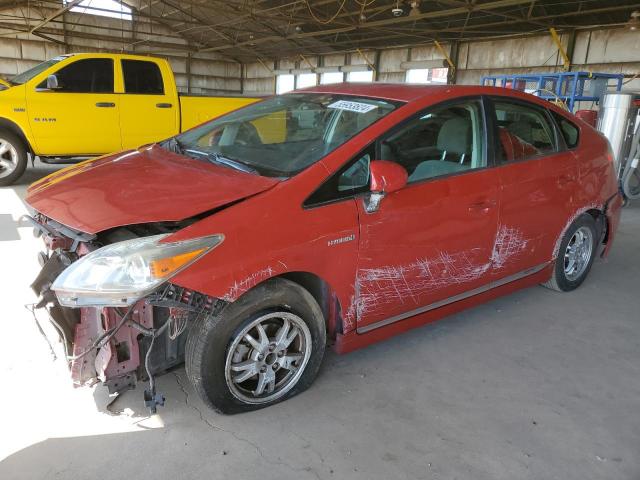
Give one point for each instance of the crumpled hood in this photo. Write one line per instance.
(139, 186)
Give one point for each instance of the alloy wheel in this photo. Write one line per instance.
(267, 358)
(578, 253)
(8, 158)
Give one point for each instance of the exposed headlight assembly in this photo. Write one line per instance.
(122, 273)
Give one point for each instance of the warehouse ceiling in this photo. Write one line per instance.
(246, 30)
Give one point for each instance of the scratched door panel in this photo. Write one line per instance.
(534, 208)
(537, 187)
(427, 242)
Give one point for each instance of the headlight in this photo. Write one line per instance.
(121, 273)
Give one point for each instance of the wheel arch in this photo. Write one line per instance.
(14, 128)
(602, 223)
(324, 294)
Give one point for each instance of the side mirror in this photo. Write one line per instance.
(386, 177)
(52, 82)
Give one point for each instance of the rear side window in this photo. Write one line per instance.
(93, 75)
(142, 77)
(524, 131)
(569, 131)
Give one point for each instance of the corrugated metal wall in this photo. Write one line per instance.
(610, 51)
(209, 73)
(613, 50)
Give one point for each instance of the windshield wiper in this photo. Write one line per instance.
(218, 158)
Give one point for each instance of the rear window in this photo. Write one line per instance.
(142, 77)
(569, 131)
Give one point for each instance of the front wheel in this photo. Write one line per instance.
(264, 348)
(13, 158)
(575, 256)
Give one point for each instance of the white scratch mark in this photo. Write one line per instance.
(572, 218)
(509, 243)
(376, 289)
(249, 282)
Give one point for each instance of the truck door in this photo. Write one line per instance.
(80, 116)
(149, 112)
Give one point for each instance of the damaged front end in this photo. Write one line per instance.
(109, 298)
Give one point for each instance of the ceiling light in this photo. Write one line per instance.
(634, 22)
(397, 11)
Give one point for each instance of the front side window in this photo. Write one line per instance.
(442, 140)
(33, 71)
(142, 77)
(285, 134)
(524, 131)
(92, 75)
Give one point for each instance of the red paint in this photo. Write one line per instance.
(149, 185)
(588, 116)
(469, 229)
(387, 176)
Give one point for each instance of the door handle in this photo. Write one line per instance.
(164, 105)
(482, 206)
(105, 104)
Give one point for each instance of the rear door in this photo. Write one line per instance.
(81, 116)
(537, 179)
(433, 239)
(149, 111)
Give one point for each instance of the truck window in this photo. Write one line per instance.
(142, 77)
(92, 75)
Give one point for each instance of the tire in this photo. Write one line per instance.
(218, 351)
(568, 276)
(13, 157)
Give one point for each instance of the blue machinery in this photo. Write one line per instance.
(568, 87)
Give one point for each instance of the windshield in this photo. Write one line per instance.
(282, 135)
(33, 71)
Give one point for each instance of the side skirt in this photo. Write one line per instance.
(430, 313)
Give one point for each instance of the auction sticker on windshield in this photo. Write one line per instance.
(357, 107)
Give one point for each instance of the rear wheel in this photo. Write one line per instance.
(13, 157)
(575, 256)
(264, 348)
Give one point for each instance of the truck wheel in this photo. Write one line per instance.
(575, 256)
(264, 348)
(13, 157)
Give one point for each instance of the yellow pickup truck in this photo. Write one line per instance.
(89, 104)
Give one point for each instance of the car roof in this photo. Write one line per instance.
(405, 92)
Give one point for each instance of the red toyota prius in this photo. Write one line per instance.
(340, 214)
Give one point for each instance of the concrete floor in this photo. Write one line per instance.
(537, 385)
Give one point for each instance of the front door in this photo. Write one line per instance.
(80, 117)
(537, 179)
(433, 239)
(148, 112)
